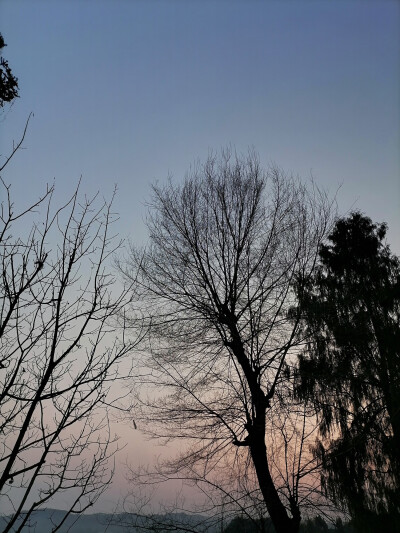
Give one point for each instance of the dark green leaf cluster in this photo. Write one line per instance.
(8, 82)
(351, 369)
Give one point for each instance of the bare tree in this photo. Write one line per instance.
(59, 354)
(212, 490)
(215, 288)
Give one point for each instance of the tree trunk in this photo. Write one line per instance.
(256, 441)
(276, 510)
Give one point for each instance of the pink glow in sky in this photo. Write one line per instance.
(129, 92)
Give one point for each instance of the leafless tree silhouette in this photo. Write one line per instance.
(215, 288)
(59, 354)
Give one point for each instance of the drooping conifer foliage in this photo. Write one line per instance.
(352, 369)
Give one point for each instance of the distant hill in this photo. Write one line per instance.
(42, 521)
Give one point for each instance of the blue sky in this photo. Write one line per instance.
(129, 92)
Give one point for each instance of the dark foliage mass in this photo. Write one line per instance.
(8, 82)
(351, 370)
(311, 525)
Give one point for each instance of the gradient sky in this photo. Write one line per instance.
(128, 92)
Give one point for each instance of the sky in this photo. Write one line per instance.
(128, 93)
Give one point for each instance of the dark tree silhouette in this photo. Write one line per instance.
(243, 525)
(8, 82)
(351, 370)
(59, 355)
(215, 289)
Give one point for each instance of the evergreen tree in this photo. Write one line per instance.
(8, 82)
(351, 370)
